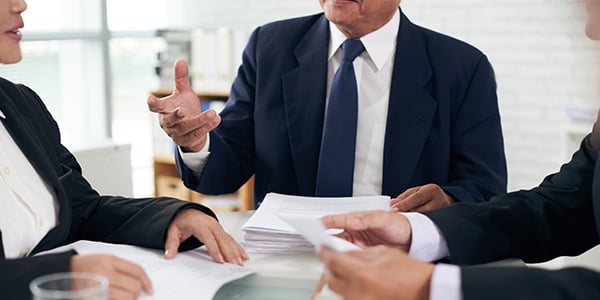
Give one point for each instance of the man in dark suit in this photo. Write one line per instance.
(45, 202)
(428, 122)
(561, 217)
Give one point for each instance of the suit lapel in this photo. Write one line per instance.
(26, 137)
(304, 92)
(21, 130)
(411, 109)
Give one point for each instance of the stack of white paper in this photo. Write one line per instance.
(266, 233)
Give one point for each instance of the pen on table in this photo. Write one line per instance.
(319, 287)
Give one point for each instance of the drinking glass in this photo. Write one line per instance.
(70, 286)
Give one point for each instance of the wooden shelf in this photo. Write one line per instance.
(168, 183)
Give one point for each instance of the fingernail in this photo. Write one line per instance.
(167, 253)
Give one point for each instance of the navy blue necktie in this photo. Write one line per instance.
(336, 160)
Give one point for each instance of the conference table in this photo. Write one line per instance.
(284, 277)
(279, 277)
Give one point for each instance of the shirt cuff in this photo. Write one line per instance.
(196, 161)
(445, 283)
(427, 244)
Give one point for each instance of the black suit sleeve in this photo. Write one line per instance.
(142, 222)
(530, 283)
(83, 213)
(16, 274)
(477, 170)
(554, 219)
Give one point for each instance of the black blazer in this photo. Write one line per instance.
(443, 124)
(82, 214)
(561, 217)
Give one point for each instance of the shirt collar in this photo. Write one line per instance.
(379, 44)
(2, 115)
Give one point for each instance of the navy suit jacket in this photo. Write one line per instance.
(561, 217)
(443, 124)
(82, 213)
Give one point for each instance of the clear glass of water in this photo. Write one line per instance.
(70, 286)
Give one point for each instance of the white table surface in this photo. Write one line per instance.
(284, 277)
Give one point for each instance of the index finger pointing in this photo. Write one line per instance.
(172, 243)
(159, 105)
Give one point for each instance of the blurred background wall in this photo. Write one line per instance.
(95, 67)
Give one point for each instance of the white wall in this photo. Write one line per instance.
(543, 62)
(235, 13)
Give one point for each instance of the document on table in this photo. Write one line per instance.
(190, 275)
(314, 231)
(266, 233)
(266, 218)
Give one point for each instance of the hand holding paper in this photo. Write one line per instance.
(266, 233)
(312, 230)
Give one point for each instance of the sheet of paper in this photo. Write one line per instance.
(313, 230)
(190, 275)
(266, 219)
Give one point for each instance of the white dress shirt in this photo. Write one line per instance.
(428, 244)
(373, 69)
(27, 205)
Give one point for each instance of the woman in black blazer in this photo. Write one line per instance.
(80, 212)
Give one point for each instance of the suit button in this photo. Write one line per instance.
(6, 170)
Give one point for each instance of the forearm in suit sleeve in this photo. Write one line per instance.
(529, 283)
(477, 163)
(142, 222)
(16, 274)
(554, 219)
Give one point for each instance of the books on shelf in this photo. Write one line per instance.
(266, 233)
